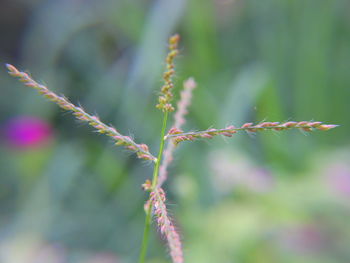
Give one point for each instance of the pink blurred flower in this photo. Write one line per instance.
(306, 238)
(103, 257)
(339, 178)
(49, 253)
(27, 131)
(232, 170)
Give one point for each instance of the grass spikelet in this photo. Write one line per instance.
(179, 119)
(164, 100)
(141, 150)
(178, 135)
(165, 225)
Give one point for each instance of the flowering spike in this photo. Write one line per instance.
(179, 136)
(166, 95)
(166, 227)
(141, 150)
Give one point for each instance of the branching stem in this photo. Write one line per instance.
(146, 231)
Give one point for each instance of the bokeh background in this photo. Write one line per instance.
(69, 195)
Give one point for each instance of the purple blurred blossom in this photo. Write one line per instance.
(103, 257)
(27, 132)
(338, 177)
(306, 238)
(49, 253)
(232, 170)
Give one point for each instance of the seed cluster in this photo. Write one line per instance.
(166, 95)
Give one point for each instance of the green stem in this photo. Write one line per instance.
(145, 239)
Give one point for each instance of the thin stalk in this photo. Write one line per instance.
(146, 230)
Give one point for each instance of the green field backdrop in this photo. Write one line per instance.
(276, 197)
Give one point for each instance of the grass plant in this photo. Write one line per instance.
(155, 207)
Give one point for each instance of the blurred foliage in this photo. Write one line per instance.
(77, 199)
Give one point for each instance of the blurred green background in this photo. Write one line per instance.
(69, 195)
